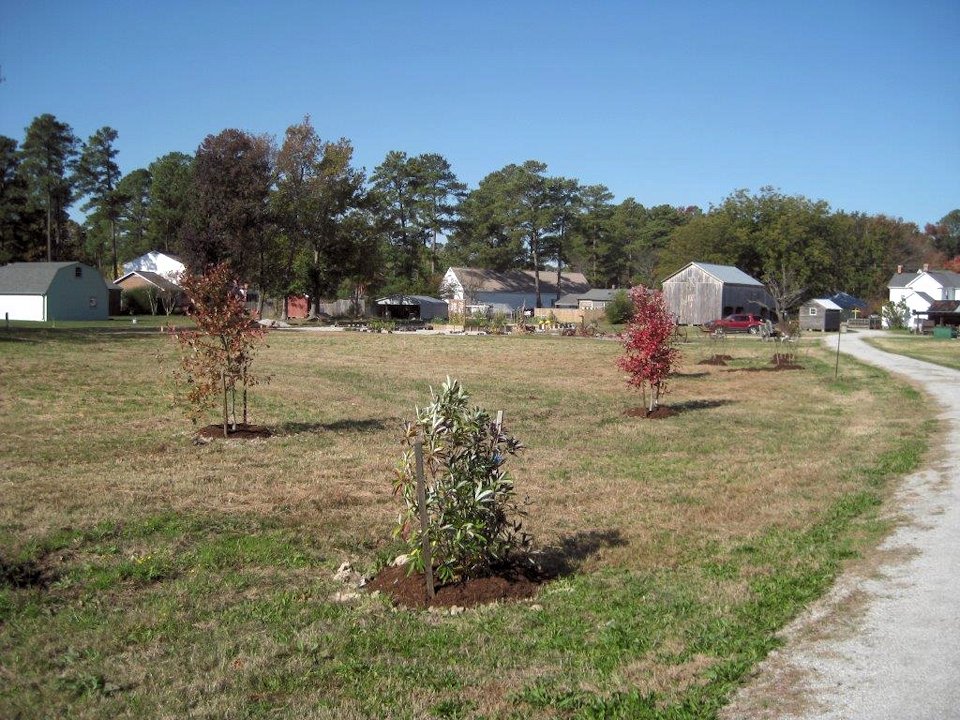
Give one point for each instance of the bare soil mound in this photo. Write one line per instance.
(515, 581)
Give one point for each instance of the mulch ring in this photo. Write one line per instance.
(511, 582)
(716, 360)
(658, 413)
(241, 432)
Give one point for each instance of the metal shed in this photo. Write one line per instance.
(821, 314)
(701, 292)
(411, 307)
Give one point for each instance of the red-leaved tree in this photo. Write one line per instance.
(216, 357)
(649, 343)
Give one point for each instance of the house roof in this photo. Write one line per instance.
(826, 304)
(924, 296)
(568, 300)
(30, 278)
(727, 274)
(901, 280)
(519, 281)
(155, 279)
(946, 278)
(848, 302)
(944, 306)
(600, 294)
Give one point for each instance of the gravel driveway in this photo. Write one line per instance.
(885, 642)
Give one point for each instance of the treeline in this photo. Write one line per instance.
(295, 215)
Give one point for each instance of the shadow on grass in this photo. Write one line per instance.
(366, 425)
(689, 376)
(689, 405)
(569, 555)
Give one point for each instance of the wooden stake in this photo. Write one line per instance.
(424, 519)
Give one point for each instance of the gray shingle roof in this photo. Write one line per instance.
(519, 281)
(728, 274)
(29, 278)
(901, 280)
(947, 278)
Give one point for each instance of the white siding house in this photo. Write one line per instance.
(922, 288)
(52, 291)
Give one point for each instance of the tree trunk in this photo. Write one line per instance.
(535, 252)
(49, 228)
(113, 247)
(223, 383)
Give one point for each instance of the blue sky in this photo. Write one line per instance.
(856, 103)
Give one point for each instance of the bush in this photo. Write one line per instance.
(620, 309)
(897, 316)
(470, 497)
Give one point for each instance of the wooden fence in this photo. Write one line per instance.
(569, 315)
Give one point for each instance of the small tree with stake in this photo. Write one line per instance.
(216, 357)
(650, 353)
(470, 509)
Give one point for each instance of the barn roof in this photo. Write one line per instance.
(30, 278)
(519, 281)
(728, 274)
(944, 306)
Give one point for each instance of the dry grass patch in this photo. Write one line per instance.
(197, 579)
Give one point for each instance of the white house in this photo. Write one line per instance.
(43, 291)
(165, 264)
(920, 289)
(476, 289)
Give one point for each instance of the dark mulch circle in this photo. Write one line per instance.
(658, 413)
(511, 582)
(716, 360)
(242, 432)
(775, 368)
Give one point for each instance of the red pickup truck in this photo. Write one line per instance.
(738, 322)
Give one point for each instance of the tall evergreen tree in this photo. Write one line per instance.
(47, 155)
(97, 175)
(170, 190)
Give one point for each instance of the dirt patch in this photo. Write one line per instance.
(241, 432)
(657, 414)
(716, 360)
(23, 575)
(515, 581)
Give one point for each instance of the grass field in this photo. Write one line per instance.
(921, 347)
(145, 576)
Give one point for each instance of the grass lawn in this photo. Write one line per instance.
(921, 347)
(146, 576)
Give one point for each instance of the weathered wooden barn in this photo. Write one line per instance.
(701, 292)
(820, 314)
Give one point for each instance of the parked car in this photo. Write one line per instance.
(738, 322)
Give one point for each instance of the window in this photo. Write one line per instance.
(78, 271)
(812, 310)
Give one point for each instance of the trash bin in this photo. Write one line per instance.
(944, 332)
